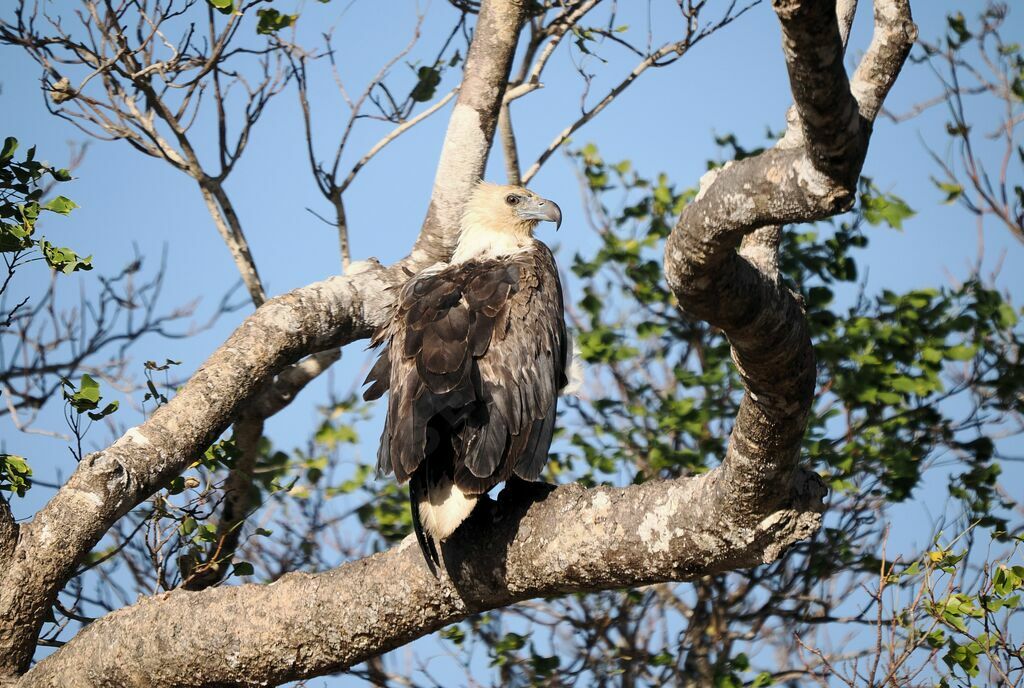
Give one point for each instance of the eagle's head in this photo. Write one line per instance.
(499, 219)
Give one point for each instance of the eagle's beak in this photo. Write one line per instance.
(542, 209)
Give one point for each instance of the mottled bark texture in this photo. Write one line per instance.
(721, 258)
(309, 624)
(8, 533)
(721, 262)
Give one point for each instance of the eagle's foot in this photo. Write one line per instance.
(518, 490)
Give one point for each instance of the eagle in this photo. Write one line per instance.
(473, 357)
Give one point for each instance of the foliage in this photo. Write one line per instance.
(15, 474)
(22, 187)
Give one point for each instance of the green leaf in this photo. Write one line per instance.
(426, 86)
(960, 353)
(188, 526)
(7, 152)
(15, 474)
(207, 533)
(86, 397)
(887, 208)
(222, 6)
(15, 237)
(952, 191)
(272, 21)
(61, 205)
(242, 568)
(454, 634)
(1006, 317)
(959, 26)
(107, 410)
(63, 259)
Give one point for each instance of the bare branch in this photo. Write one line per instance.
(471, 126)
(821, 90)
(895, 33)
(676, 48)
(508, 145)
(391, 136)
(665, 55)
(230, 229)
(512, 551)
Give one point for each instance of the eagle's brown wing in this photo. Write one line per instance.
(474, 358)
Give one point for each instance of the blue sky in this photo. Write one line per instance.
(735, 82)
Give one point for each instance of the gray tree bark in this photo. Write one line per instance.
(721, 263)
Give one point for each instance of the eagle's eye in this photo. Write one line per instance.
(512, 199)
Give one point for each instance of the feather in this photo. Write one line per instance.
(472, 359)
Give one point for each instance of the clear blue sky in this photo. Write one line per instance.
(735, 82)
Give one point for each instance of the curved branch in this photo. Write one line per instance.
(570, 540)
(804, 178)
(895, 33)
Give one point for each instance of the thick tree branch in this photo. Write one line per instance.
(845, 12)
(107, 484)
(895, 33)
(570, 540)
(720, 259)
(821, 91)
(471, 126)
(8, 533)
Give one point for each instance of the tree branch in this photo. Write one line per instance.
(821, 91)
(570, 540)
(471, 126)
(238, 492)
(8, 533)
(109, 483)
(508, 145)
(230, 229)
(895, 34)
(804, 178)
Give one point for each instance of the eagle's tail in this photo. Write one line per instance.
(438, 507)
(418, 495)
